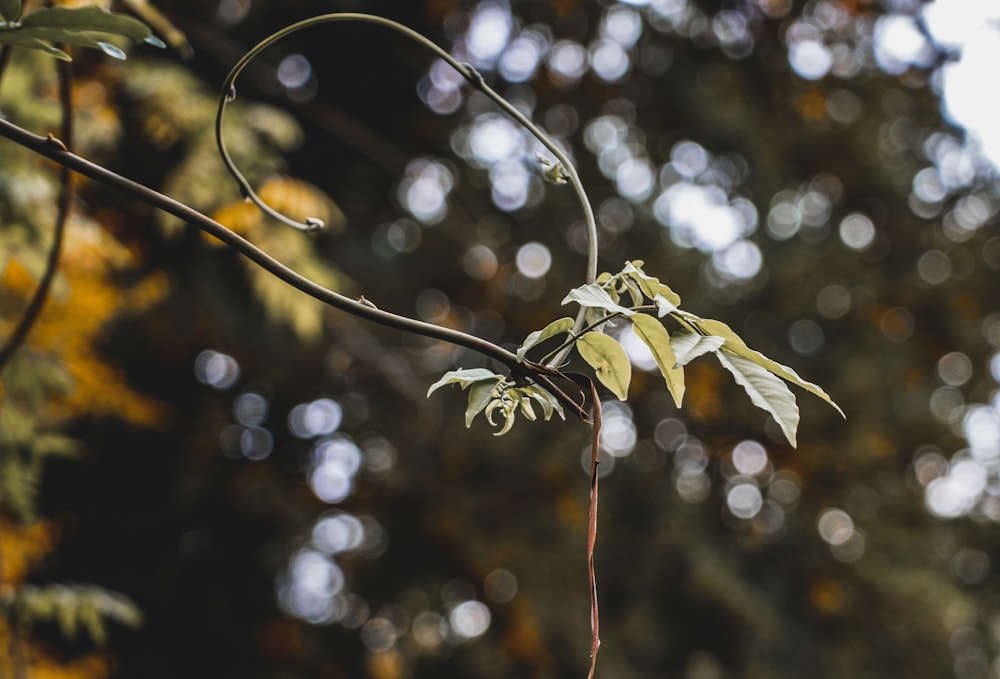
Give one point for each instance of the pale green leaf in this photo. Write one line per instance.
(508, 423)
(10, 10)
(690, 345)
(633, 290)
(550, 404)
(656, 337)
(651, 286)
(509, 411)
(737, 346)
(664, 306)
(765, 390)
(480, 394)
(464, 378)
(609, 361)
(90, 18)
(525, 402)
(594, 296)
(538, 336)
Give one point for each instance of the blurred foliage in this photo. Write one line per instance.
(266, 481)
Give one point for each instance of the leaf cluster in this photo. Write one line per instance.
(644, 303)
(90, 27)
(490, 393)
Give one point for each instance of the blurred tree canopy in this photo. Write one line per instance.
(253, 485)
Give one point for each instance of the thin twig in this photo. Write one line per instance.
(65, 204)
(470, 74)
(595, 618)
(465, 70)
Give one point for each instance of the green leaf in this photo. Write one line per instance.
(10, 10)
(480, 395)
(594, 296)
(89, 18)
(737, 346)
(652, 287)
(538, 336)
(9, 37)
(525, 402)
(508, 408)
(66, 36)
(656, 337)
(609, 361)
(464, 378)
(664, 306)
(550, 404)
(765, 390)
(690, 345)
(633, 290)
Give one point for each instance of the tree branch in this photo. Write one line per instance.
(54, 149)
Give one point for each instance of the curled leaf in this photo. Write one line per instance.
(550, 404)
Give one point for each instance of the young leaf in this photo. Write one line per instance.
(737, 346)
(10, 10)
(664, 306)
(690, 345)
(633, 290)
(594, 296)
(538, 336)
(765, 391)
(656, 337)
(548, 402)
(609, 361)
(464, 378)
(651, 287)
(526, 408)
(480, 395)
(509, 410)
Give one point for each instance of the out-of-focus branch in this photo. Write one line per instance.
(65, 204)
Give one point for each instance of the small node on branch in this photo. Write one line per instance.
(55, 141)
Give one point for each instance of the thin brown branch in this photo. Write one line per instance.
(65, 204)
(595, 618)
(54, 149)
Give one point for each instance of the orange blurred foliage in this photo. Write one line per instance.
(89, 292)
